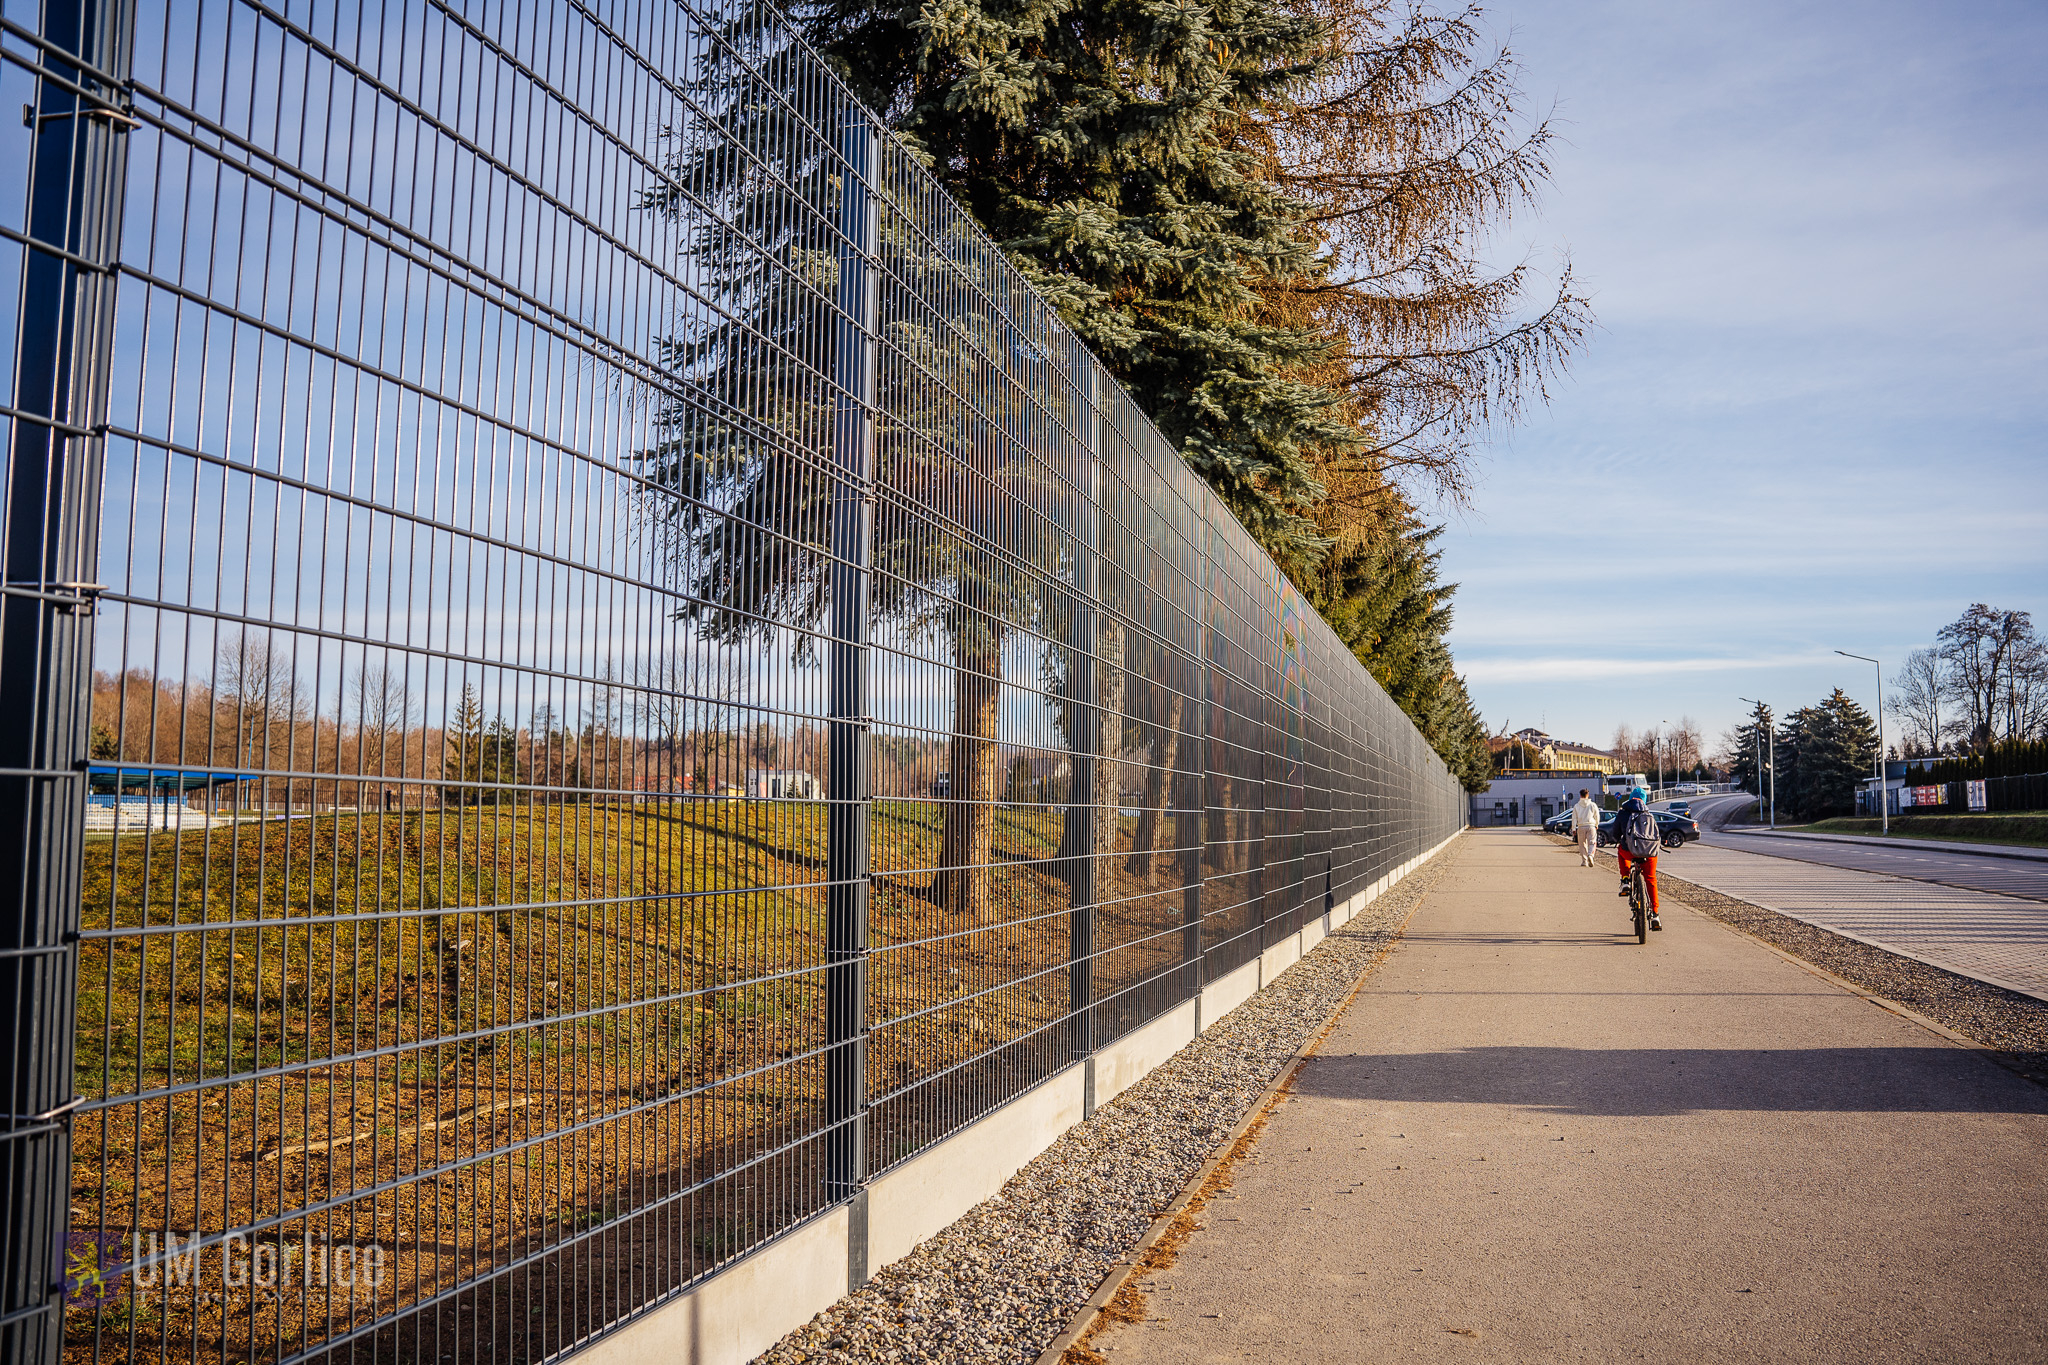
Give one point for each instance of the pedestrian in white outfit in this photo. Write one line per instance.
(1585, 826)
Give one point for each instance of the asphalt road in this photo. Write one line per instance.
(1529, 1138)
(1971, 872)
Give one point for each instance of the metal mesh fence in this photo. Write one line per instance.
(585, 669)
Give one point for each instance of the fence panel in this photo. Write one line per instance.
(640, 677)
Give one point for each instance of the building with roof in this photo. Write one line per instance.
(1531, 750)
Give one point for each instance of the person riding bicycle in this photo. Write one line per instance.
(1636, 841)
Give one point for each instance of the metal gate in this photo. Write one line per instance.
(583, 667)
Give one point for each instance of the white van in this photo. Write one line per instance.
(1618, 784)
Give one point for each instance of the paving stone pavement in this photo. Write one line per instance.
(2000, 939)
(1531, 1139)
(1967, 871)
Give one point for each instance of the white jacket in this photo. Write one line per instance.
(1585, 815)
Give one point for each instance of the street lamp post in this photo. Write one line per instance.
(1884, 808)
(1774, 764)
(1660, 753)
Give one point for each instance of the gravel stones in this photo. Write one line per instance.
(1002, 1282)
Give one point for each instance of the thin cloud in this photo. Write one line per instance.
(1590, 669)
(1814, 415)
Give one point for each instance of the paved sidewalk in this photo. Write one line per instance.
(1531, 1139)
(1995, 938)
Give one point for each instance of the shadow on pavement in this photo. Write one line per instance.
(1624, 935)
(1654, 1081)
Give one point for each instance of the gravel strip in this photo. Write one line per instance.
(1002, 1282)
(2014, 1026)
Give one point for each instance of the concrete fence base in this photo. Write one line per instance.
(741, 1311)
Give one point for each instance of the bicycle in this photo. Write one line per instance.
(1639, 902)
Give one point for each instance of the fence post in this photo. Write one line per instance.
(1084, 725)
(1196, 855)
(72, 217)
(848, 790)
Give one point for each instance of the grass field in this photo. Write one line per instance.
(468, 1034)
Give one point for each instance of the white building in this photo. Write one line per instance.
(1532, 798)
(783, 784)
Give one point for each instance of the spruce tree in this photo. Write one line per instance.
(463, 750)
(1847, 757)
(1096, 141)
(1382, 596)
(1749, 750)
(1824, 750)
(1798, 740)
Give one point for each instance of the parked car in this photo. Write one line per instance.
(1673, 829)
(1680, 823)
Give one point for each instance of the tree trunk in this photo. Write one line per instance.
(962, 885)
(1158, 788)
(1221, 821)
(1109, 736)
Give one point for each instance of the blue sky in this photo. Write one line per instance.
(1815, 414)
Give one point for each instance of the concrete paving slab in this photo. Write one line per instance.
(1996, 938)
(1532, 1139)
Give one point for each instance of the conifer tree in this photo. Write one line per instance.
(1847, 756)
(463, 750)
(744, 490)
(1824, 750)
(1181, 183)
(1096, 142)
(1407, 141)
(1747, 749)
(498, 758)
(1382, 596)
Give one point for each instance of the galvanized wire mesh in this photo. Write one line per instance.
(641, 677)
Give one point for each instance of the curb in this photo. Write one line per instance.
(1085, 1318)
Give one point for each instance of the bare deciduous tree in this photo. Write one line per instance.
(1995, 672)
(1918, 701)
(258, 700)
(1682, 745)
(379, 707)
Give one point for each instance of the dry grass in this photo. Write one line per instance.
(471, 1037)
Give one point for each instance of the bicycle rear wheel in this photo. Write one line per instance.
(1639, 904)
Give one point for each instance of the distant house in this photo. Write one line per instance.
(783, 784)
(1531, 750)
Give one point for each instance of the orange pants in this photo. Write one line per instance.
(1649, 871)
